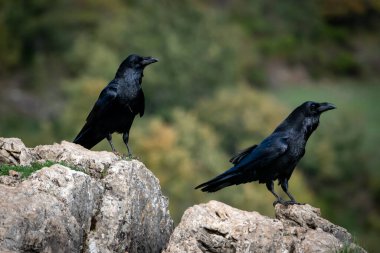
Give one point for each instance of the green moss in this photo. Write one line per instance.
(26, 171)
(104, 173)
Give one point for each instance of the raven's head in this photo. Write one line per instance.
(311, 108)
(135, 62)
(305, 117)
(310, 115)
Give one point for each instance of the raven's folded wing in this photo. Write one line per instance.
(102, 105)
(265, 153)
(88, 135)
(259, 158)
(141, 103)
(239, 156)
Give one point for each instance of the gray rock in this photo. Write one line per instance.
(49, 212)
(124, 209)
(91, 162)
(112, 206)
(216, 227)
(14, 152)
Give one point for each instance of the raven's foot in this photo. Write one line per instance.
(279, 201)
(130, 157)
(118, 154)
(126, 157)
(286, 203)
(292, 202)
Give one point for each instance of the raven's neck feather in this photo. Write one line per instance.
(130, 76)
(309, 125)
(304, 125)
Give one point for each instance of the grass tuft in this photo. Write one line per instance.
(26, 171)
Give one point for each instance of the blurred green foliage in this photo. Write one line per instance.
(229, 72)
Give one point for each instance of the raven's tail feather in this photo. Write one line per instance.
(88, 137)
(219, 182)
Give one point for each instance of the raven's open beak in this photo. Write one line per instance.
(326, 107)
(148, 60)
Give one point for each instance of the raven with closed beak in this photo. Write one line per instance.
(118, 104)
(276, 156)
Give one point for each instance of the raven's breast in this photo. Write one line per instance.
(118, 119)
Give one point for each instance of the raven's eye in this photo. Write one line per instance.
(313, 107)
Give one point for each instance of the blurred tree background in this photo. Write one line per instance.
(229, 72)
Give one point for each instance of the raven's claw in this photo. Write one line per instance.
(292, 202)
(279, 201)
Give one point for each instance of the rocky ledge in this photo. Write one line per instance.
(95, 202)
(108, 205)
(217, 227)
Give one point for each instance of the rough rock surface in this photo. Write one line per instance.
(14, 152)
(132, 217)
(217, 227)
(48, 212)
(110, 205)
(107, 204)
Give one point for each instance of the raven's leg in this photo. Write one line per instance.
(270, 187)
(109, 139)
(125, 139)
(284, 186)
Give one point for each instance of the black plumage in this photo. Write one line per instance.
(118, 104)
(276, 156)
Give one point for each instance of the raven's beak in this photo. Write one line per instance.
(326, 107)
(148, 60)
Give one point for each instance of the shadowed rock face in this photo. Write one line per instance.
(216, 227)
(112, 206)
